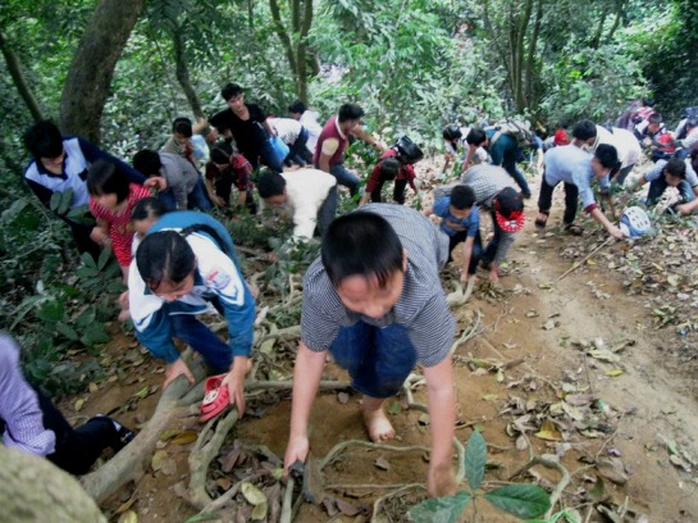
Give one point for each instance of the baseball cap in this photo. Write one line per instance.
(509, 209)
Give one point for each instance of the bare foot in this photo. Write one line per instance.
(378, 425)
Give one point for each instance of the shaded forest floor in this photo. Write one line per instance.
(577, 369)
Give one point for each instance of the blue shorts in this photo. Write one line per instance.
(378, 360)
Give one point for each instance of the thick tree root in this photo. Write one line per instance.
(131, 462)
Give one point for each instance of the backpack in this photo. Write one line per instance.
(517, 129)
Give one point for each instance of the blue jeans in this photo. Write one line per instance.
(658, 186)
(509, 164)
(198, 197)
(378, 360)
(345, 177)
(269, 158)
(297, 148)
(191, 331)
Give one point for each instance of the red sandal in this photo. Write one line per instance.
(216, 399)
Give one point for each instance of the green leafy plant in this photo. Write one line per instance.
(522, 501)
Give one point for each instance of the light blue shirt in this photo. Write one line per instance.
(571, 164)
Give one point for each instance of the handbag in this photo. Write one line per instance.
(281, 150)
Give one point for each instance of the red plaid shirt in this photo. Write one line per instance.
(239, 167)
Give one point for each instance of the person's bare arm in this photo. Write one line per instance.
(688, 208)
(364, 198)
(601, 218)
(467, 254)
(217, 200)
(324, 162)
(307, 373)
(360, 133)
(469, 158)
(270, 129)
(442, 415)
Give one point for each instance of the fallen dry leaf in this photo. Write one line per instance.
(382, 463)
(185, 438)
(169, 467)
(158, 459)
(252, 494)
(548, 432)
(343, 398)
(614, 373)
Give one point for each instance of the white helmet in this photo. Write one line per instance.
(634, 222)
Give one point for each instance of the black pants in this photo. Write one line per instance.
(475, 256)
(545, 200)
(76, 449)
(223, 187)
(81, 235)
(327, 211)
(398, 192)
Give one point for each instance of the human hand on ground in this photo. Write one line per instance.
(297, 450)
(441, 481)
(235, 381)
(176, 369)
(494, 275)
(616, 232)
(682, 209)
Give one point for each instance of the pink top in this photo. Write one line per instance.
(120, 227)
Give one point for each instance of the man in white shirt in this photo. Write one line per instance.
(627, 147)
(295, 135)
(307, 196)
(309, 120)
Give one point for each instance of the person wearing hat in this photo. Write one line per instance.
(495, 193)
(395, 164)
(577, 169)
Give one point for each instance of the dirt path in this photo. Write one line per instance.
(536, 328)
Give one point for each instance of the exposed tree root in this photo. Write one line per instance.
(377, 504)
(561, 485)
(131, 462)
(460, 296)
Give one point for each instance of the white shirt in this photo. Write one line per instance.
(309, 121)
(288, 129)
(307, 190)
(627, 146)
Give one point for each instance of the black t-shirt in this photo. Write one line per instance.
(249, 134)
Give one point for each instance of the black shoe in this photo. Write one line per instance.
(125, 436)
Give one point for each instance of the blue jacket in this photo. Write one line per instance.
(217, 275)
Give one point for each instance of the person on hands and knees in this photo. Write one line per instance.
(460, 221)
(374, 300)
(183, 264)
(577, 169)
(674, 173)
(495, 194)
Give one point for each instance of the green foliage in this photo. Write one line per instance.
(522, 501)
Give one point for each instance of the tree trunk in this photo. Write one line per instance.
(620, 8)
(283, 35)
(250, 13)
(531, 73)
(302, 55)
(182, 73)
(90, 74)
(34, 489)
(15, 69)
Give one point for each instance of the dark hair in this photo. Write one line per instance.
(220, 156)
(676, 168)
(452, 132)
(147, 161)
(350, 112)
(476, 136)
(182, 126)
(584, 130)
(389, 168)
(231, 90)
(655, 118)
(164, 256)
(270, 184)
(462, 197)
(361, 243)
(607, 156)
(147, 208)
(297, 107)
(647, 101)
(43, 140)
(105, 177)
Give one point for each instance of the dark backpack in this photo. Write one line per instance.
(517, 129)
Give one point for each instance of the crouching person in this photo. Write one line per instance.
(374, 300)
(182, 265)
(31, 423)
(307, 196)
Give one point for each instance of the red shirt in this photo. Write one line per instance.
(330, 131)
(120, 227)
(406, 172)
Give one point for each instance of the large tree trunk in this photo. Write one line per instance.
(15, 69)
(35, 490)
(182, 72)
(87, 86)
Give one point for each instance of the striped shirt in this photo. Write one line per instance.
(421, 308)
(19, 406)
(487, 181)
